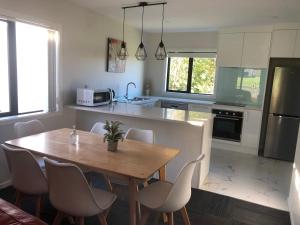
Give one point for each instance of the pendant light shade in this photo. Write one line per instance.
(141, 53)
(123, 53)
(161, 53)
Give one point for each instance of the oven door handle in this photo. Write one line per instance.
(227, 118)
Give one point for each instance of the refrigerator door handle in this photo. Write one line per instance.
(286, 116)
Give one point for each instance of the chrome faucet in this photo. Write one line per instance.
(126, 95)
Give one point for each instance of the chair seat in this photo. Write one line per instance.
(154, 195)
(104, 199)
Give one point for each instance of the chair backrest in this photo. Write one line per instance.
(180, 192)
(69, 191)
(29, 128)
(146, 136)
(27, 176)
(98, 128)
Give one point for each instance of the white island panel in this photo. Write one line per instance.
(186, 130)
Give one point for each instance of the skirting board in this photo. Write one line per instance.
(232, 146)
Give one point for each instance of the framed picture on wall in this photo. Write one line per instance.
(113, 63)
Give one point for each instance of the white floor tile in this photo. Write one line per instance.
(255, 179)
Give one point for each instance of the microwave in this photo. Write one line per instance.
(91, 97)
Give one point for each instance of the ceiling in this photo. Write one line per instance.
(200, 15)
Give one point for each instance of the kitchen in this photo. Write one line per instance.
(241, 53)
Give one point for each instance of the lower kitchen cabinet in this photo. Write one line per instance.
(199, 108)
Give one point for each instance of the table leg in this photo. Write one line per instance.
(162, 173)
(162, 177)
(132, 201)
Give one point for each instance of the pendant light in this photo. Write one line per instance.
(141, 53)
(123, 53)
(161, 53)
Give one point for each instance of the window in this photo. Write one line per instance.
(192, 73)
(27, 68)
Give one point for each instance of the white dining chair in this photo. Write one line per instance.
(98, 128)
(146, 136)
(71, 195)
(31, 127)
(165, 197)
(27, 176)
(136, 134)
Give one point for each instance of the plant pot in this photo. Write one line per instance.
(112, 146)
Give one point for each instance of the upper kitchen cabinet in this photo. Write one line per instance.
(230, 49)
(248, 50)
(256, 50)
(283, 43)
(297, 48)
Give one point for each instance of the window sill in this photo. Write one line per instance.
(13, 119)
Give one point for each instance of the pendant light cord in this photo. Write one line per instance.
(142, 25)
(123, 23)
(162, 22)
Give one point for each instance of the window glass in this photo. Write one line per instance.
(4, 77)
(192, 73)
(178, 73)
(203, 77)
(32, 67)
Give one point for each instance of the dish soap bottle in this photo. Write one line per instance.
(74, 138)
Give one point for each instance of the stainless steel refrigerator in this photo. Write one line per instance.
(284, 114)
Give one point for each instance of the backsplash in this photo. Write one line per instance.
(241, 85)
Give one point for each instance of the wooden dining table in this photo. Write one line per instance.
(134, 161)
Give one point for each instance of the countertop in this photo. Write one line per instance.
(209, 103)
(153, 113)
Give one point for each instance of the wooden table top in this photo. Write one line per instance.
(133, 159)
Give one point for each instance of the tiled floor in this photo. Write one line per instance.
(255, 179)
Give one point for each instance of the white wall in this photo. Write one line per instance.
(83, 54)
(294, 196)
(84, 40)
(155, 70)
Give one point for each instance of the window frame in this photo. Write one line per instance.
(190, 75)
(13, 74)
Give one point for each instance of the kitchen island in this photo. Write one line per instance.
(187, 130)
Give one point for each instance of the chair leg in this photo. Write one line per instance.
(18, 198)
(170, 218)
(102, 219)
(108, 183)
(145, 216)
(80, 221)
(185, 216)
(38, 206)
(138, 206)
(71, 220)
(58, 218)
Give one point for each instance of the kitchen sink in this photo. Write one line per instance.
(139, 99)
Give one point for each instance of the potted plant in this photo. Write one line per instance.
(113, 135)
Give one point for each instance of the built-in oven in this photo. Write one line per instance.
(227, 125)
